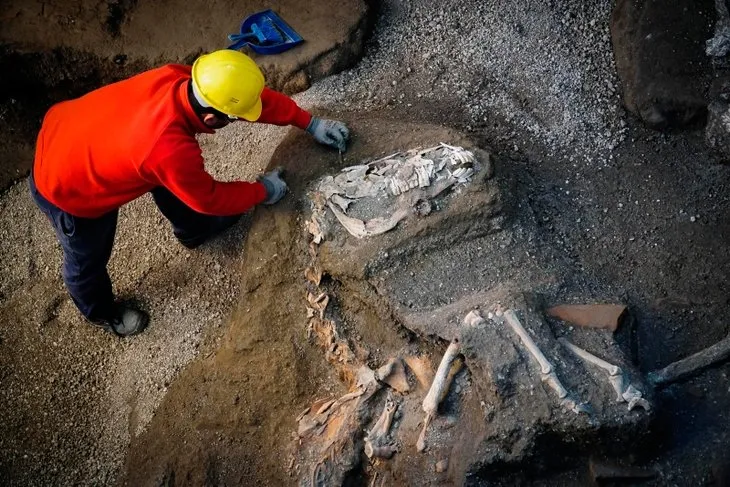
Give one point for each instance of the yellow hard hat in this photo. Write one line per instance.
(230, 82)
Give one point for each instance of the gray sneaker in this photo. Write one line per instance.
(127, 321)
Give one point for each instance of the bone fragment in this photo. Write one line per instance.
(692, 365)
(385, 451)
(633, 396)
(341, 201)
(431, 401)
(376, 226)
(548, 373)
(421, 368)
(473, 319)
(382, 425)
(314, 228)
(421, 443)
(394, 374)
(313, 274)
(325, 406)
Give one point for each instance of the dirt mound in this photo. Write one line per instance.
(55, 51)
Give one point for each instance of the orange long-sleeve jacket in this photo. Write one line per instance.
(106, 148)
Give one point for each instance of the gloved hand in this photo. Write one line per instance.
(275, 186)
(329, 132)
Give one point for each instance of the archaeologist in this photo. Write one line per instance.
(137, 136)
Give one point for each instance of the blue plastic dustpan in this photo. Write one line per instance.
(265, 33)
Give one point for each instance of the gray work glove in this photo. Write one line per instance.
(329, 132)
(275, 186)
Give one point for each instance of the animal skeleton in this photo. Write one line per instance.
(390, 176)
(625, 392)
(546, 368)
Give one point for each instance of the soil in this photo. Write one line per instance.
(635, 216)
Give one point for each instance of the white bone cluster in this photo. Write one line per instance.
(392, 176)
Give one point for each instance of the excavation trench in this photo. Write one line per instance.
(237, 416)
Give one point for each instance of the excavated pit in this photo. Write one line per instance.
(388, 297)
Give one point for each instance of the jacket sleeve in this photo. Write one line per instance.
(279, 109)
(176, 163)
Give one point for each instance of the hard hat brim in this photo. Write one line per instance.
(253, 113)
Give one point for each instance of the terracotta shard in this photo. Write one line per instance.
(606, 316)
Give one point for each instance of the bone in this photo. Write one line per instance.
(394, 374)
(421, 443)
(548, 373)
(421, 368)
(512, 320)
(382, 425)
(615, 375)
(362, 229)
(341, 201)
(633, 396)
(625, 392)
(692, 365)
(431, 401)
(384, 451)
(586, 355)
(455, 368)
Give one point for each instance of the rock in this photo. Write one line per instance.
(607, 316)
(717, 131)
(608, 471)
(719, 45)
(442, 465)
(659, 53)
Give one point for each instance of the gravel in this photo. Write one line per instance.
(93, 391)
(543, 68)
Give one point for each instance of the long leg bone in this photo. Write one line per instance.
(382, 425)
(692, 365)
(615, 374)
(625, 392)
(546, 368)
(431, 401)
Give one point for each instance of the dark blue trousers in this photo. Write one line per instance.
(87, 246)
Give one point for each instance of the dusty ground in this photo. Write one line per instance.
(636, 215)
